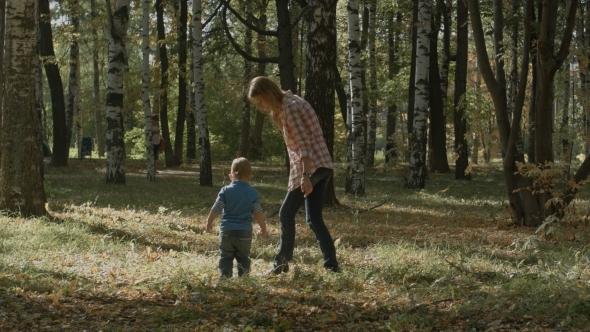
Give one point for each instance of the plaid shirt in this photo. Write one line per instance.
(303, 137)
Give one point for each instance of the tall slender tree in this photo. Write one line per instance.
(372, 95)
(321, 54)
(145, 90)
(73, 118)
(21, 184)
(58, 106)
(247, 76)
(460, 120)
(118, 24)
(417, 172)
(357, 167)
(98, 111)
(170, 157)
(182, 59)
(205, 171)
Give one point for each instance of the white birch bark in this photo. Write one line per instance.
(357, 170)
(372, 116)
(118, 24)
(145, 90)
(21, 183)
(205, 176)
(417, 174)
(97, 110)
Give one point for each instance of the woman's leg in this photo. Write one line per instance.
(314, 205)
(291, 205)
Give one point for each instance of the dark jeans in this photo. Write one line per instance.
(234, 244)
(156, 150)
(314, 204)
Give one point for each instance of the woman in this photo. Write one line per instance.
(311, 168)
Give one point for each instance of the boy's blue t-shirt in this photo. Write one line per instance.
(236, 203)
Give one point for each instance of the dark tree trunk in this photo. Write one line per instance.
(170, 157)
(461, 62)
(182, 75)
(392, 69)
(245, 128)
(255, 140)
(321, 54)
(61, 147)
(411, 86)
(286, 63)
(438, 137)
(530, 147)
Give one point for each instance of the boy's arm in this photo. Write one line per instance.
(259, 216)
(210, 219)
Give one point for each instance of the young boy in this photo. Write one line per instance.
(236, 203)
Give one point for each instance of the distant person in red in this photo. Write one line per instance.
(311, 168)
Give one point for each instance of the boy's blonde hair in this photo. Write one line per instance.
(268, 90)
(240, 168)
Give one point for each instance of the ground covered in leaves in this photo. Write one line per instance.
(135, 257)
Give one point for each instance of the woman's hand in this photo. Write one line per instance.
(306, 186)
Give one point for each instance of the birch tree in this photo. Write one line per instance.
(145, 90)
(357, 167)
(98, 114)
(21, 184)
(372, 116)
(118, 24)
(320, 83)
(417, 172)
(205, 172)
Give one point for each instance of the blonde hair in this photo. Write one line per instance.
(265, 88)
(240, 168)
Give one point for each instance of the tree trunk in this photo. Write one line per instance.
(392, 69)
(73, 105)
(73, 79)
(118, 24)
(255, 140)
(205, 173)
(417, 172)
(357, 170)
(548, 62)
(530, 147)
(245, 128)
(145, 90)
(181, 112)
(460, 121)
(191, 121)
(372, 107)
(98, 115)
(412, 81)
(585, 12)
(566, 152)
(286, 63)
(438, 137)
(58, 106)
(21, 184)
(170, 157)
(321, 54)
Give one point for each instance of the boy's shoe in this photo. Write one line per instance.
(278, 269)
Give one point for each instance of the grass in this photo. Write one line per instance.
(135, 257)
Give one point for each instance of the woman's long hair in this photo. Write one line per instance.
(265, 88)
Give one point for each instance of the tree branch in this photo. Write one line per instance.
(214, 14)
(567, 36)
(303, 11)
(245, 22)
(237, 47)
